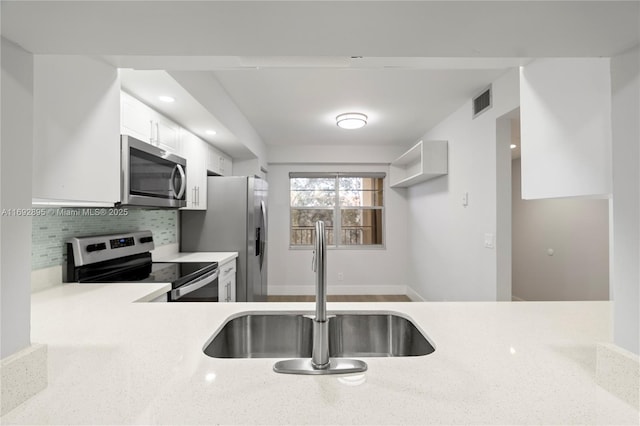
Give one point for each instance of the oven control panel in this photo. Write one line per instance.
(98, 248)
(121, 242)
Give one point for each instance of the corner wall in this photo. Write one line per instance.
(625, 251)
(15, 155)
(23, 366)
(447, 257)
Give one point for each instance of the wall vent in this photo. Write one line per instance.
(482, 102)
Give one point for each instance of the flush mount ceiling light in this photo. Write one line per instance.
(513, 146)
(351, 120)
(167, 99)
(210, 132)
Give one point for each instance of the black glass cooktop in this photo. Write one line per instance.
(176, 273)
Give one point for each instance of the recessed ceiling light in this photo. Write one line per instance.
(351, 120)
(167, 99)
(513, 146)
(210, 132)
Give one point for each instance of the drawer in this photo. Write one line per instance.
(227, 269)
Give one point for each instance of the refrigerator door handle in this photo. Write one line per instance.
(263, 212)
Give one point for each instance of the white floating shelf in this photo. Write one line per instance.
(424, 161)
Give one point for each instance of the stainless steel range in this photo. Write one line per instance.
(126, 257)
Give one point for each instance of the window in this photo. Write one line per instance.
(350, 204)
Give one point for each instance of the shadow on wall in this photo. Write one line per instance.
(560, 247)
(439, 185)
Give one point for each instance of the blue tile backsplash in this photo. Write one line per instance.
(49, 232)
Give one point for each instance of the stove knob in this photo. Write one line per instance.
(96, 247)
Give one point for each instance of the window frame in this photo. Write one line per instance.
(337, 214)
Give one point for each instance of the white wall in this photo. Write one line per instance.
(15, 180)
(577, 230)
(447, 258)
(625, 253)
(366, 271)
(77, 129)
(565, 127)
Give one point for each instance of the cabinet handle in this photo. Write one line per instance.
(193, 197)
(226, 271)
(198, 195)
(157, 133)
(228, 286)
(151, 132)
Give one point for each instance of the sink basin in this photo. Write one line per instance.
(290, 335)
(257, 335)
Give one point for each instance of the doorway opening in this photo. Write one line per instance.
(558, 248)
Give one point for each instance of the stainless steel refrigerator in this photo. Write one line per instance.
(235, 220)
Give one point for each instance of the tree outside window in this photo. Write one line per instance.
(350, 205)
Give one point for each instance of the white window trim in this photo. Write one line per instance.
(337, 217)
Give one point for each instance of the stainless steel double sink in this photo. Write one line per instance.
(290, 335)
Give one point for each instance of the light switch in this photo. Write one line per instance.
(489, 241)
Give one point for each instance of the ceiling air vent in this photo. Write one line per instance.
(482, 102)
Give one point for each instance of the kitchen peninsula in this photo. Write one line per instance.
(114, 359)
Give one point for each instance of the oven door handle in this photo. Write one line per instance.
(194, 285)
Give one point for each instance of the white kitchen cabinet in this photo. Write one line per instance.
(167, 134)
(227, 282)
(144, 123)
(424, 161)
(195, 150)
(218, 163)
(135, 118)
(76, 148)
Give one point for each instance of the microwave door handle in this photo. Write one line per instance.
(194, 285)
(183, 181)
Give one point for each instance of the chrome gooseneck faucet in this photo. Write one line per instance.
(320, 352)
(320, 363)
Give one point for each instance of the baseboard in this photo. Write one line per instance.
(618, 371)
(23, 375)
(414, 296)
(307, 290)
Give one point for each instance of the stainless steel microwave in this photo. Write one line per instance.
(151, 176)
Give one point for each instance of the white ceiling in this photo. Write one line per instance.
(288, 65)
(299, 106)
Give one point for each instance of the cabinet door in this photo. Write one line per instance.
(213, 162)
(225, 165)
(218, 163)
(76, 150)
(195, 151)
(227, 282)
(135, 118)
(167, 134)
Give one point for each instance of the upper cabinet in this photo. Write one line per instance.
(76, 144)
(565, 115)
(424, 161)
(195, 151)
(202, 159)
(148, 125)
(218, 163)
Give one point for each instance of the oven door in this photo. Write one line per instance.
(151, 176)
(202, 289)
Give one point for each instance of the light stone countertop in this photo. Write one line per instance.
(213, 256)
(114, 361)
